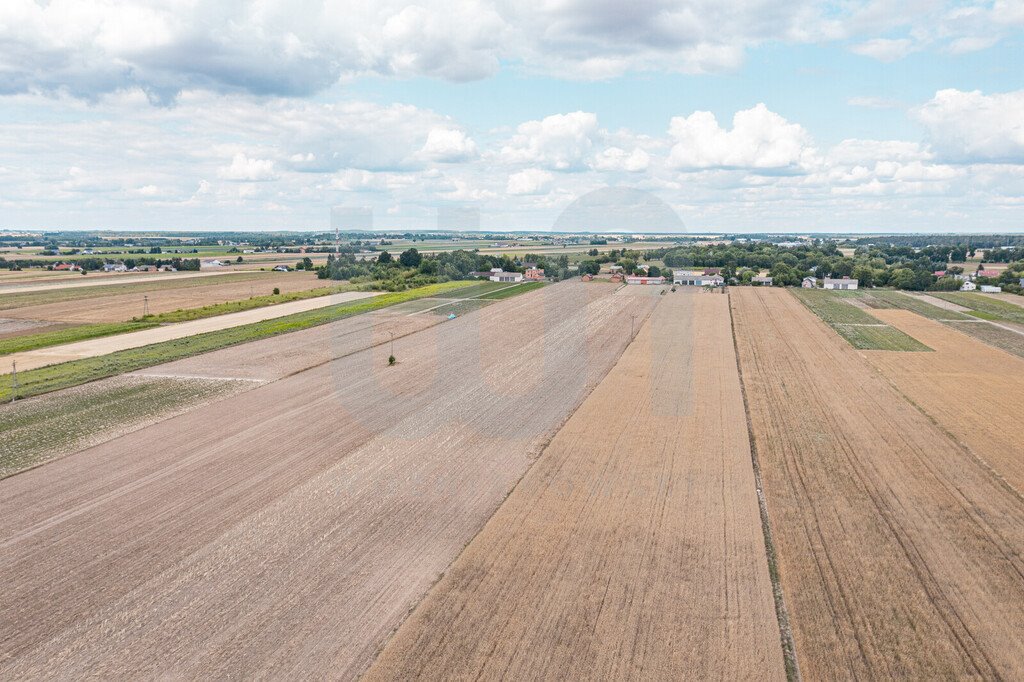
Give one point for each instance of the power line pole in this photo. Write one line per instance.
(632, 319)
(145, 306)
(14, 381)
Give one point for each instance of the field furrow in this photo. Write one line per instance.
(285, 531)
(633, 548)
(899, 552)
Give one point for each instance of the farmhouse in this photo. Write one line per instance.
(809, 283)
(502, 276)
(281, 268)
(988, 273)
(968, 286)
(115, 267)
(587, 277)
(986, 289)
(762, 281)
(643, 279)
(534, 274)
(617, 277)
(67, 266)
(692, 278)
(844, 283)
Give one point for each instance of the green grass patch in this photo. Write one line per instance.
(477, 288)
(860, 329)
(984, 306)
(513, 290)
(888, 298)
(76, 372)
(26, 342)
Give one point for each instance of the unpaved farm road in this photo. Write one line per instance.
(111, 344)
(285, 532)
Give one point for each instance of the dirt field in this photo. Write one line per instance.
(125, 306)
(633, 549)
(286, 531)
(972, 390)
(899, 552)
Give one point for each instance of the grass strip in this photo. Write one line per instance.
(515, 290)
(76, 372)
(84, 332)
(861, 330)
(985, 307)
(189, 314)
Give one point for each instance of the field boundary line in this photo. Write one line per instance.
(781, 613)
(540, 448)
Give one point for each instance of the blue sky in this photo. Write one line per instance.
(740, 115)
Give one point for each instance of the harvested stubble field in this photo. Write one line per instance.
(124, 301)
(633, 549)
(899, 552)
(971, 390)
(285, 531)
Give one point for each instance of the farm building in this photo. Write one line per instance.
(643, 279)
(844, 283)
(987, 289)
(617, 277)
(71, 267)
(809, 283)
(761, 281)
(1022, 281)
(691, 278)
(587, 277)
(115, 267)
(534, 274)
(712, 271)
(988, 273)
(614, 269)
(968, 286)
(502, 276)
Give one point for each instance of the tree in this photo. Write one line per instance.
(384, 258)
(410, 258)
(654, 271)
(307, 263)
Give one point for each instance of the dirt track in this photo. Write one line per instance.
(111, 344)
(900, 554)
(632, 549)
(972, 390)
(124, 306)
(284, 532)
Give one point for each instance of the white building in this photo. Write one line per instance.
(501, 276)
(968, 286)
(809, 283)
(761, 281)
(696, 278)
(988, 289)
(844, 283)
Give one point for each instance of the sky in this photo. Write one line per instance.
(731, 115)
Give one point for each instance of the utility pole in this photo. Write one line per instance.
(632, 319)
(392, 342)
(14, 380)
(145, 306)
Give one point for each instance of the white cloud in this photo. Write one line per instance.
(243, 168)
(973, 127)
(759, 139)
(885, 49)
(616, 159)
(448, 145)
(530, 181)
(558, 142)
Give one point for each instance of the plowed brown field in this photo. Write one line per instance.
(193, 293)
(900, 553)
(633, 549)
(974, 391)
(285, 531)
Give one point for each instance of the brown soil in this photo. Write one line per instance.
(284, 532)
(633, 549)
(899, 552)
